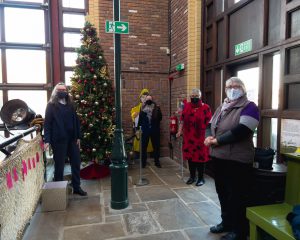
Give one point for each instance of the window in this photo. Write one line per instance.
(275, 81)
(273, 140)
(68, 75)
(73, 20)
(72, 40)
(70, 59)
(26, 66)
(36, 100)
(73, 12)
(80, 4)
(0, 69)
(220, 6)
(269, 137)
(24, 53)
(250, 78)
(30, 1)
(30, 27)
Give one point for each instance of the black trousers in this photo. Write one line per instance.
(193, 166)
(155, 139)
(60, 152)
(232, 180)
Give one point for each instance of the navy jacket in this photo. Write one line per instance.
(155, 120)
(54, 127)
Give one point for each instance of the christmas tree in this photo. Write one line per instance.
(93, 96)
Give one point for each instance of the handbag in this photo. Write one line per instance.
(264, 158)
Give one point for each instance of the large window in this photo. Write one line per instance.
(25, 53)
(268, 34)
(73, 14)
(38, 41)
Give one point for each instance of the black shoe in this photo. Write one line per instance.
(230, 236)
(190, 180)
(157, 164)
(80, 192)
(200, 182)
(220, 228)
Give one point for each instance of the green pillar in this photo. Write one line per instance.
(119, 166)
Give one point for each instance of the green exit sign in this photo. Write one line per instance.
(116, 27)
(243, 47)
(180, 67)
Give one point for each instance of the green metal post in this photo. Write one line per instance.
(119, 166)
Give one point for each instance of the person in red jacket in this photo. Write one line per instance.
(193, 121)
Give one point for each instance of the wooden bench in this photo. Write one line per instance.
(272, 218)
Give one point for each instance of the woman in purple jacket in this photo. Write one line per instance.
(230, 137)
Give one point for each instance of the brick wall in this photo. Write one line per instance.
(145, 62)
(179, 45)
(185, 48)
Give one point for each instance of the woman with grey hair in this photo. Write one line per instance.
(62, 132)
(230, 137)
(193, 121)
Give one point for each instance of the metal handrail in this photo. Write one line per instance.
(17, 137)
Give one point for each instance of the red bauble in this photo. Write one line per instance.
(92, 69)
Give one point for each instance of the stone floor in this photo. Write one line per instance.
(166, 209)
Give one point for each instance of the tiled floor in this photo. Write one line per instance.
(165, 209)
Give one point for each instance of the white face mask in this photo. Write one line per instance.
(234, 94)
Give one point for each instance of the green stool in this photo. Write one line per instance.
(272, 218)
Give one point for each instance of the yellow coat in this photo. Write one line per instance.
(136, 142)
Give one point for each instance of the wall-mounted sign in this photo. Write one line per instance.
(243, 47)
(116, 27)
(180, 67)
(290, 136)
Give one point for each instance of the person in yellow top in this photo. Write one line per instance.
(135, 118)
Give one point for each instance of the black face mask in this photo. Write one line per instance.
(149, 102)
(62, 95)
(195, 100)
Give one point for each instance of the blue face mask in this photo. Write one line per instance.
(234, 94)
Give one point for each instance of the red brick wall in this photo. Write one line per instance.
(179, 36)
(179, 44)
(145, 63)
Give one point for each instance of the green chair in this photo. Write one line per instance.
(272, 218)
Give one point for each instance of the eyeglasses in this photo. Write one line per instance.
(194, 96)
(235, 87)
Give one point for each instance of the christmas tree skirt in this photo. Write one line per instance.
(94, 171)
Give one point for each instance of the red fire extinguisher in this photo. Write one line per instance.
(173, 124)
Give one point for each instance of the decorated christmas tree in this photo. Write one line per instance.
(93, 96)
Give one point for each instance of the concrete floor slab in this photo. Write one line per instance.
(94, 232)
(207, 211)
(140, 223)
(83, 211)
(154, 193)
(173, 215)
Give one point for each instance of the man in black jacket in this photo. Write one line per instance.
(149, 119)
(62, 132)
